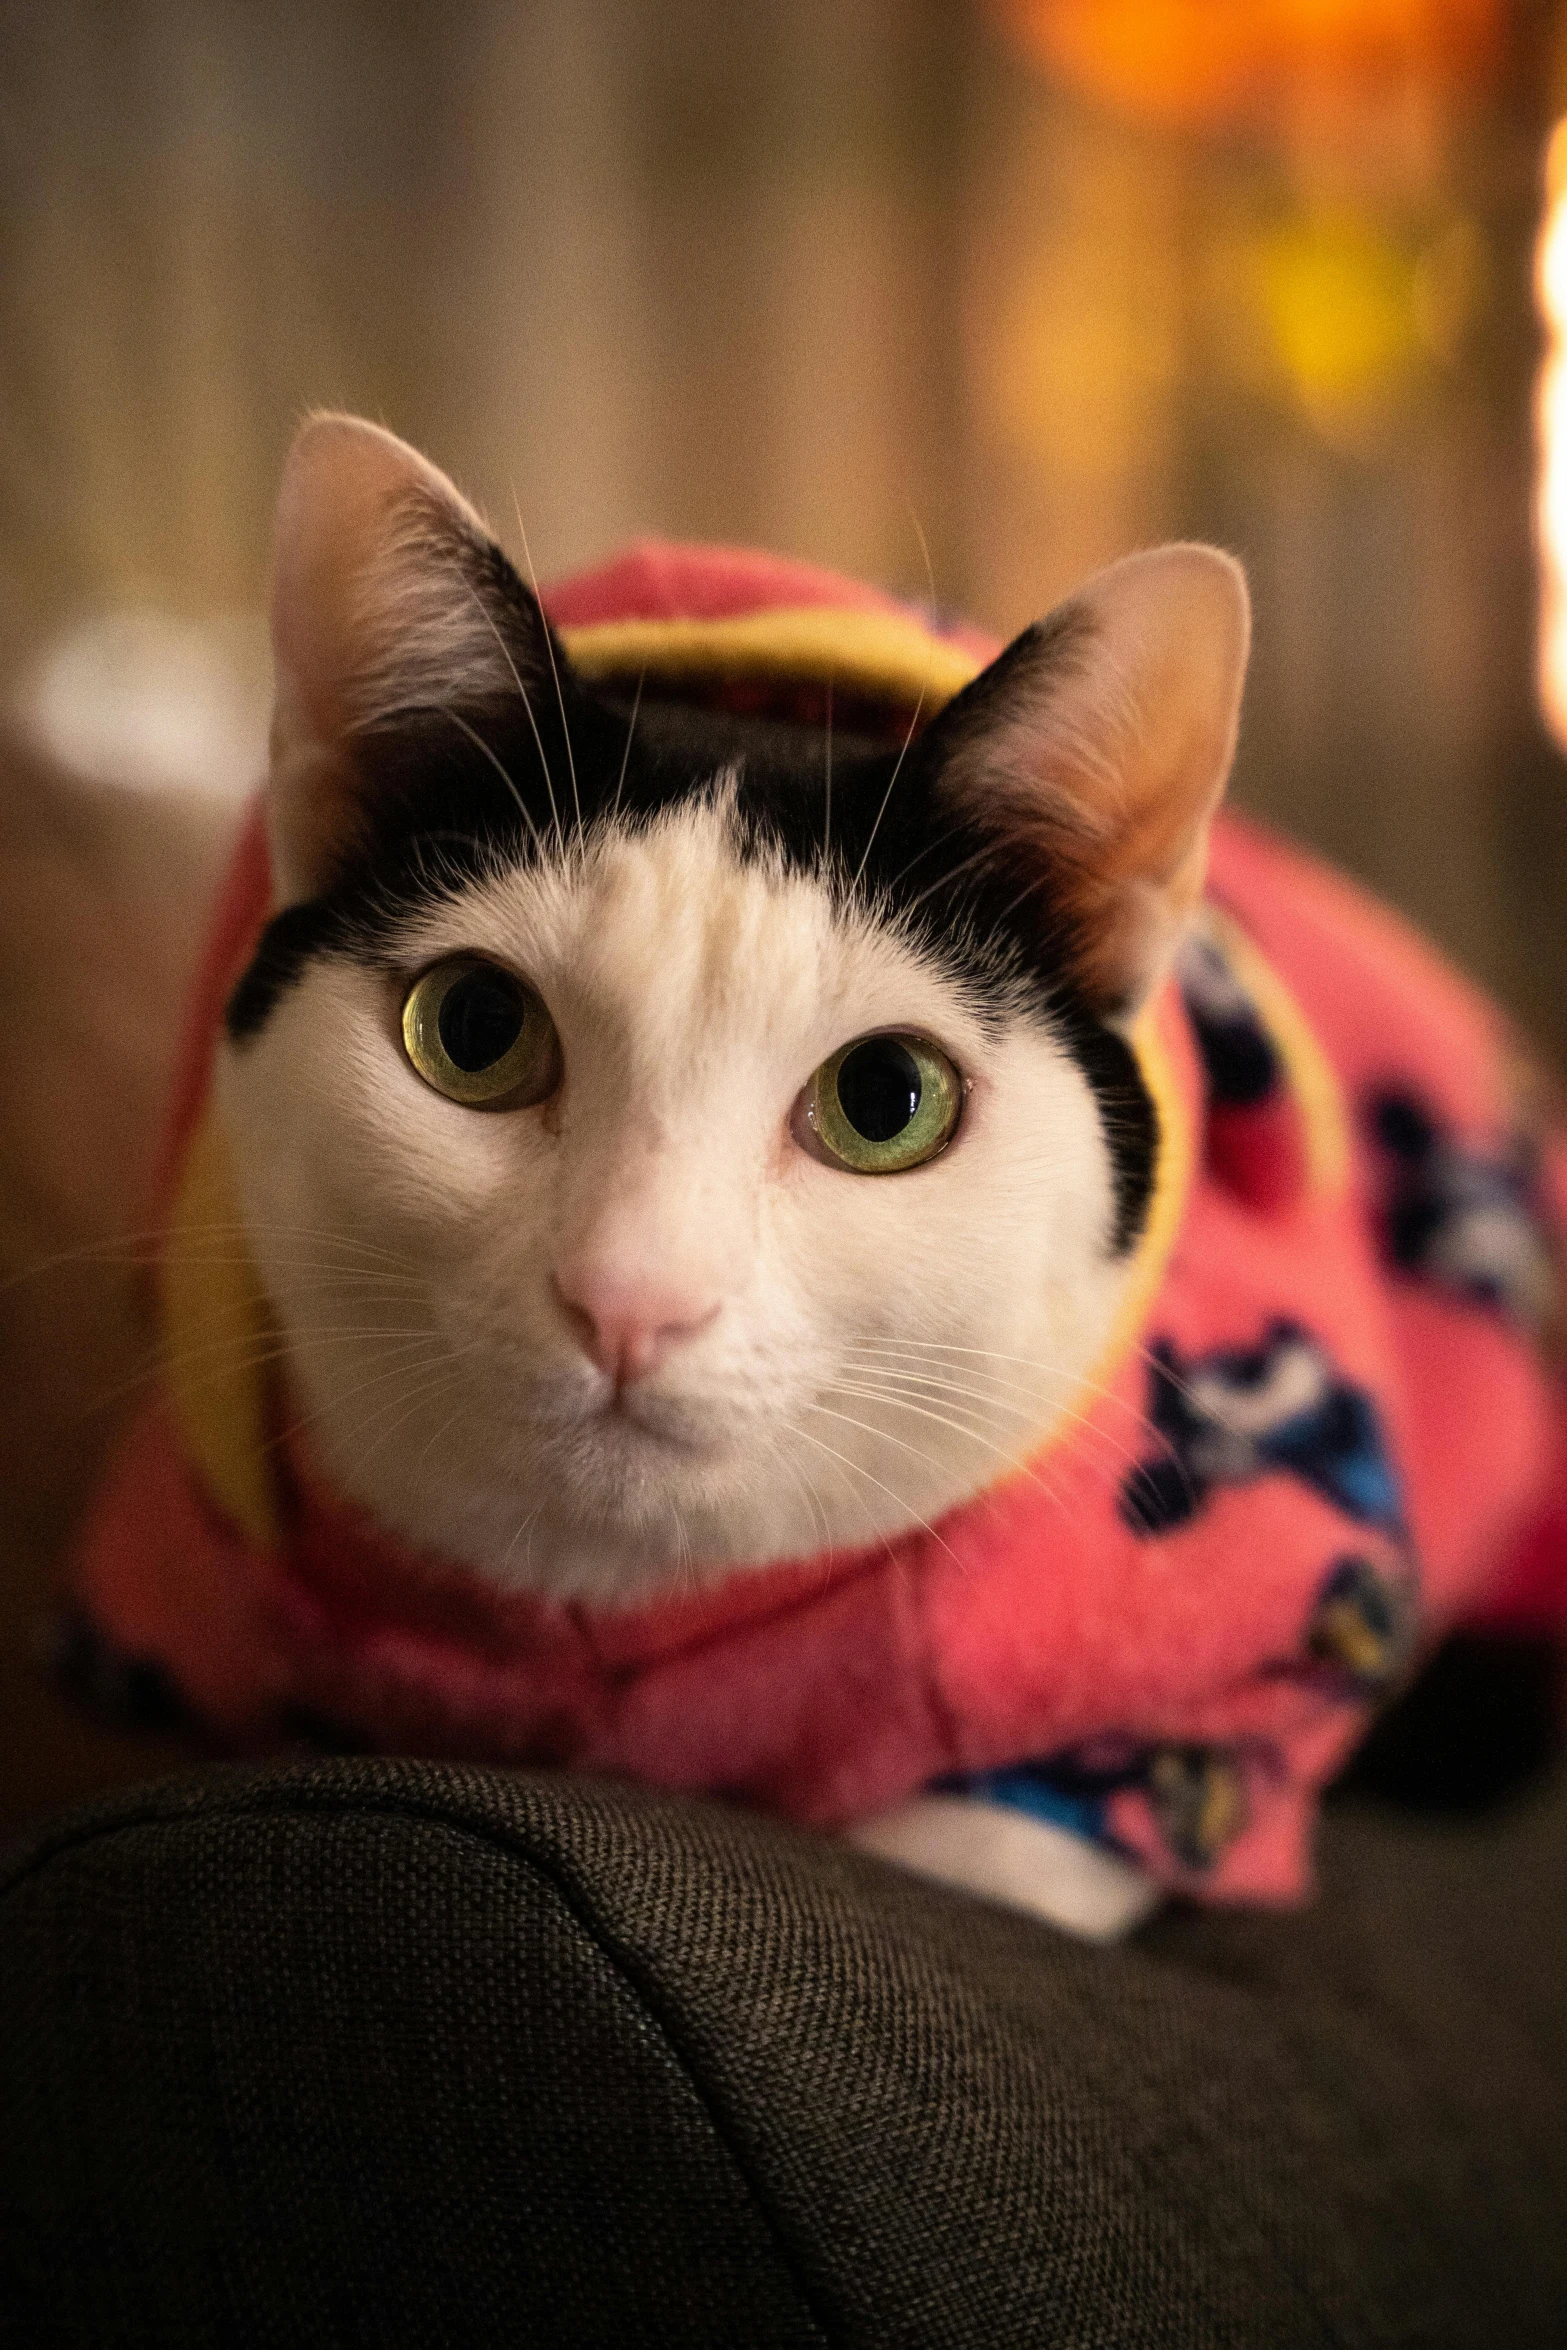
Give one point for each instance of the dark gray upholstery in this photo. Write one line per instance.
(377, 2053)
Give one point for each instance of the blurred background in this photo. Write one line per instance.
(1033, 281)
(967, 296)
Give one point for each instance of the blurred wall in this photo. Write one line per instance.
(683, 268)
(855, 278)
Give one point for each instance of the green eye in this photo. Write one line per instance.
(479, 1036)
(884, 1103)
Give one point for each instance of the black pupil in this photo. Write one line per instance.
(480, 1019)
(879, 1088)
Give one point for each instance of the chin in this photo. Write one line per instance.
(638, 1507)
(633, 1510)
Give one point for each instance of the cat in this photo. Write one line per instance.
(731, 1136)
(660, 1232)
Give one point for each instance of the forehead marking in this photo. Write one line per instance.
(675, 917)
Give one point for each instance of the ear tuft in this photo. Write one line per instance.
(1099, 745)
(382, 600)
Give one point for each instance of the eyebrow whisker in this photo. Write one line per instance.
(549, 647)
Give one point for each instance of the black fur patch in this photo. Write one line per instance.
(448, 795)
(284, 948)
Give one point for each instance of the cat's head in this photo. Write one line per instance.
(673, 1141)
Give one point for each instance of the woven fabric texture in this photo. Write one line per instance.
(380, 2053)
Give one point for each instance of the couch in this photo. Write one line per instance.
(362, 2052)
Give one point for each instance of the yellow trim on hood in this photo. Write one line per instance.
(885, 655)
(1308, 1073)
(220, 1340)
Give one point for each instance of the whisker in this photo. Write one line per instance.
(113, 1248)
(1019, 1463)
(1183, 1387)
(881, 1373)
(523, 1528)
(318, 1232)
(246, 1351)
(803, 1436)
(432, 1441)
(897, 770)
(1026, 1362)
(1031, 888)
(860, 1471)
(869, 1394)
(914, 1370)
(928, 848)
(1087, 1424)
(820, 1527)
(445, 710)
(625, 756)
(357, 1281)
(945, 880)
(846, 1470)
(549, 646)
(538, 739)
(414, 1398)
(1082, 1424)
(304, 1420)
(869, 1379)
(919, 533)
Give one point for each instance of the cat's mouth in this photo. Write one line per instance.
(633, 1412)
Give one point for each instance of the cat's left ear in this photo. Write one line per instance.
(1095, 751)
(388, 596)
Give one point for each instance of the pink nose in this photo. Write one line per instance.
(627, 1325)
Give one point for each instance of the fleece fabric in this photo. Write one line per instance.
(1323, 1433)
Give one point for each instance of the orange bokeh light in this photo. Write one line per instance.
(1200, 62)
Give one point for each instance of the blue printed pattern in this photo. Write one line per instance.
(1239, 1057)
(1240, 1413)
(1226, 1418)
(1197, 1794)
(1467, 1221)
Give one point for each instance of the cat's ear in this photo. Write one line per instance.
(1096, 749)
(388, 595)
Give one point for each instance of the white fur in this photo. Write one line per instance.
(409, 1245)
(424, 636)
(1027, 1863)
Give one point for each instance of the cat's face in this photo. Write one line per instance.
(602, 1265)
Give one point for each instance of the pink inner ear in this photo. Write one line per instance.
(1116, 766)
(343, 486)
(347, 591)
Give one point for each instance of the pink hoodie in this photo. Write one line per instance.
(1329, 1438)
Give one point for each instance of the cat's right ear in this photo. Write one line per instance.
(1095, 751)
(388, 594)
